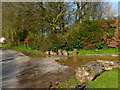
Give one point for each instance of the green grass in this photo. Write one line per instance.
(80, 52)
(108, 79)
(97, 51)
(70, 83)
(21, 48)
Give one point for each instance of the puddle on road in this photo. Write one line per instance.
(76, 61)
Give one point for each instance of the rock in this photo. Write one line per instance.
(60, 52)
(81, 86)
(65, 52)
(75, 52)
(53, 84)
(115, 55)
(47, 53)
(55, 53)
(108, 65)
(51, 53)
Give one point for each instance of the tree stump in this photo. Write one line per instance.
(65, 52)
(75, 52)
(60, 52)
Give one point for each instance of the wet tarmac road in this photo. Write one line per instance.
(21, 71)
(10, 67)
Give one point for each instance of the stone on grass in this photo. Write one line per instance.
(55, 53)
(65, 52)
(75, 52)
(60, 52)
(47, 53)
(51, 53)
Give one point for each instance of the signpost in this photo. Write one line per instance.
(26, 42)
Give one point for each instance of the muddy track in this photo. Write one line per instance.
(42, 73)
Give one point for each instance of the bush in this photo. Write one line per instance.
(99, 45)
(85, 35)
(110, 32)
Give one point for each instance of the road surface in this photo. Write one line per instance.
(10, 63)
(21, 71)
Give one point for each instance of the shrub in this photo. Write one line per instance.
(110, 32)
(85, 35)
(99, 45)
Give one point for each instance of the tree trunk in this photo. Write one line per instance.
(91, 70)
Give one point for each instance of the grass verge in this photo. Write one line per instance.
(22, 48)
(108, 79)
(80, 52)
(97, 51)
